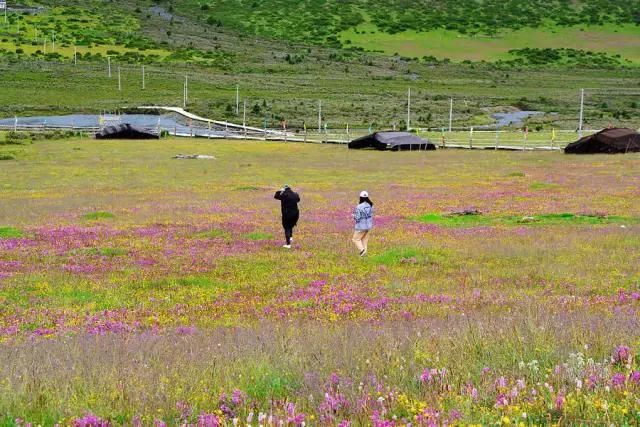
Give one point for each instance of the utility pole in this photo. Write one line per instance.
(186, 92)
(319, 116)
(450, 113)
(409, 110)
(237, 100)
(244, 118)
(581, 112)
(244, 115)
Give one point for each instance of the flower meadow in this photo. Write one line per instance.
(140, 290)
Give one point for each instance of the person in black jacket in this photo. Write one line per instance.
(290, 214)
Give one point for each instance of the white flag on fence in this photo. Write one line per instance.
(3, 5)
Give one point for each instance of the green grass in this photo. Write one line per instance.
(542, 186)
(248, 188)
(466, 221)
(10, 233)
(441, 43)
(258, 235)
(571, 219)
(93, 216)
(106, 252)
(456, 220)
(267, 382)
(214, 234)
(396, 256)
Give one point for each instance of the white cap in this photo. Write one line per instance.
(364, 194)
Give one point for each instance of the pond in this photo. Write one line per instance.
(514, 118)
(91, 121)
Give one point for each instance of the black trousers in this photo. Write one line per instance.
(288, 223)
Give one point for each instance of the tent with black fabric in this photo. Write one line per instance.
(391, 140)
(608, 141)
(126, 131)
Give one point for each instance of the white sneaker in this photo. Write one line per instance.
(286, 246)
(363, 254)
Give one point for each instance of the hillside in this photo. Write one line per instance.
(283, 76)
(459, 30)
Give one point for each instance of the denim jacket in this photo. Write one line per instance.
(363, 215)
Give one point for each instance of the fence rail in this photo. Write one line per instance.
(480, 140)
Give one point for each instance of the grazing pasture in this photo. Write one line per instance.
(139, 289)
(612, 39)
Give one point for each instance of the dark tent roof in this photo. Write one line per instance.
(126, 131)
(392, 141)
(616, 140)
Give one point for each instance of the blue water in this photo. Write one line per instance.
(514, 118)
(148, 121)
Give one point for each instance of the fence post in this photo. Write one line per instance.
(471, 138)
(524, 141)
(497, 137)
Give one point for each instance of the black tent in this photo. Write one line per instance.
(391, 140)
(126, 131)
(611, 141)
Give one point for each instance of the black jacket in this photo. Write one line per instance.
(289, 202)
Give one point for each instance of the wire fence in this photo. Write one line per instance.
(472, 139)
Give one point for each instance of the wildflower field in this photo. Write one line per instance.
(140, 290)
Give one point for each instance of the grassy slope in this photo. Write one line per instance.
(441, 43)
(357, 88)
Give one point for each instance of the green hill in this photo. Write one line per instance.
(287, 55)
(461, 30)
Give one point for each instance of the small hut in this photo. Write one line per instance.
(126, 131)
(391, 140)
(608, 141)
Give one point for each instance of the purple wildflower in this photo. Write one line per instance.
(559, 402)
(501, 401)
(237, 397)
(618, 380)
(184, 409)
(621, 354)
(90, 420)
